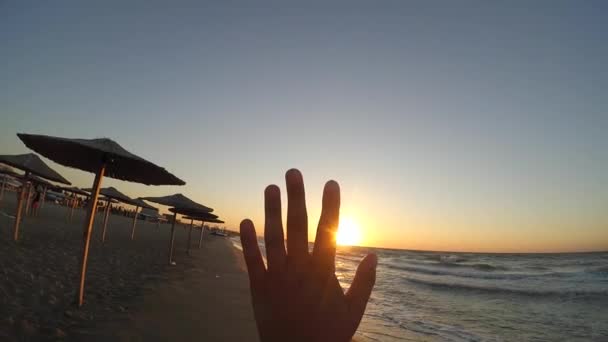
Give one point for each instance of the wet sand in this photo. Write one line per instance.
(131, 292)
(210, 301)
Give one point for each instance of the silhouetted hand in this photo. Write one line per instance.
(299, 298)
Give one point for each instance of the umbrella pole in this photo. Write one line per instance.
(43, 199)
(68, 205)
(2, 188)
(40, 203)
(27, 199)
(172, 239)
(105, 221)
(134, 222)
(200, 240)
(73, 206)
(190, 237)
(88, 229)
(30, 198)
(20, 200)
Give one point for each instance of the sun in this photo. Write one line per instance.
(348, 233)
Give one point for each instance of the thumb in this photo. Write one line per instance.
(361, 288)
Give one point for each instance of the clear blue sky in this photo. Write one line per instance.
(463, 125)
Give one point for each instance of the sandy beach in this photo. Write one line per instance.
(131, 292)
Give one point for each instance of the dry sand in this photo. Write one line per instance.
(131, 292)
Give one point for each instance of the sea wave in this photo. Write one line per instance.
(479, 266)
(481, 297)
(537, 267)
(602, 270)
(536, 292)
(451, 258)
(480, 271)
(351, 258)
(488, 267)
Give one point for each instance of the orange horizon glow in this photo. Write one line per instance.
(417, 230)
(407, 225)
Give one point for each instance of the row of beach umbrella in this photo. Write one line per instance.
(104, 158)
(33, 166)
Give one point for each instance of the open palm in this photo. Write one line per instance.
(298, 297)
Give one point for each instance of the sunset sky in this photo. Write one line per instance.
(453, 125)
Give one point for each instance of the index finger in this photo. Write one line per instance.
(324, 252)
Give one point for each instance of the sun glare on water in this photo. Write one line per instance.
(349, 233)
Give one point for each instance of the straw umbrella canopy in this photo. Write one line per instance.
(138, 203)
(5, 169)
(111, 192)
(151, 213)
(178, 201)
(40, 181)
(104, 157)
(74, 190)
(181, 205)
(203, 219)
(32, 165)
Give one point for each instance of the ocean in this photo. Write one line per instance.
(437, 296)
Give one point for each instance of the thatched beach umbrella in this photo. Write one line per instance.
(181, 205)
(186, 211)
(103, 157)
(178, 201)
(74, 190)
(113, 193)
(32, 165)
(138, 203)
(203, 219)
